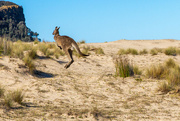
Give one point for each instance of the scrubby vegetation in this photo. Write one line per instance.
(170, 71)
(27, 52)
(8, 98)
(123, 66)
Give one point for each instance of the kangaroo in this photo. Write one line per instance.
(66, 44)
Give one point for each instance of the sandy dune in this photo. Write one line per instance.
(88, 90)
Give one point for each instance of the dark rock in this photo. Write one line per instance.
(12, 23)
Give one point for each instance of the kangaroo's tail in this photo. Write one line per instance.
(78, 50)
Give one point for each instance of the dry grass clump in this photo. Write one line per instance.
(170, 71)
(132, 51)
(143, 52)
(170, 63)
(162, 70)
(171, 51)
(136, 70)
(29, 63)
(123, 66)
(128, 51)
(153, 52)
(11, 97)
(99, 51)
(18, 96)
(43, 47)
(8, 100)
(156, 71)
(36, 41)
(121, 52)
(19, 48)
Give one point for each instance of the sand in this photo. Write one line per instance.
(88, 89)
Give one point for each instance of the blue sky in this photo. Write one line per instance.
(103, 20)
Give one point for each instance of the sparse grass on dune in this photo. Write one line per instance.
(29, 63)
(171, 51)
(18, 96)
(123, 66)
(153, 52)
(99, 51)
(144, 51)
(156, 71)
(132, 51)
(169, 71)
(128, 51)
(11, 97)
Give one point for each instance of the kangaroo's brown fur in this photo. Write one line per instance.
(67, 44)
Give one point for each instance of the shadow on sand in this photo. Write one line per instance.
(41, 74)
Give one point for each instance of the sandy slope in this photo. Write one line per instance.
(88, 90)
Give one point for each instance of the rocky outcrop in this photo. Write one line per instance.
(12, 22)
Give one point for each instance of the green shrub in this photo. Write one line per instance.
(123, 67)
(170, 51)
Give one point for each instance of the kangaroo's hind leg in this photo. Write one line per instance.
(69, 55)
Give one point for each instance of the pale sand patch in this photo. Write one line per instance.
(88, 90)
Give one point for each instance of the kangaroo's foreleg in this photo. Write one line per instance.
(69, 55)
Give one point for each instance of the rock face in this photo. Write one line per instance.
(12, 22)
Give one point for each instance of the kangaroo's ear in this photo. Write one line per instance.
(58, 28)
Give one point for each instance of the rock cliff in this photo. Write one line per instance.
(12, 22)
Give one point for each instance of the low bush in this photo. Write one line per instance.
(123, 67)
(170, 51)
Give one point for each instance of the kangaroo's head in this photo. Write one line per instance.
(56, 31)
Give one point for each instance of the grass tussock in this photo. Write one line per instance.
(136, 70)
(11, 97)
(153, 52)
(169, 71)
(99, 51)
(8, 101)
(132, 51)
(143, 52)
(171, 51)
(128, 51)
(29, 63)
(18, 96)
(156, 72)
(123, 66)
